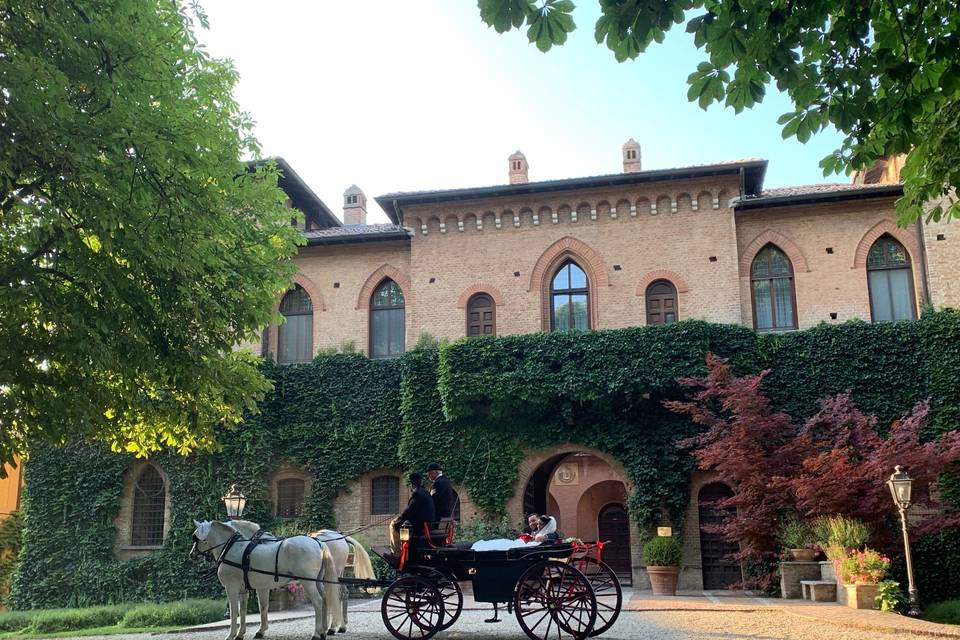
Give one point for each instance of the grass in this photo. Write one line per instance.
(947, 612)
(109, 619)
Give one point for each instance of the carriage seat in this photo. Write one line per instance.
(439, 534)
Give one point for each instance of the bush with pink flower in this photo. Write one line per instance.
(864, 567)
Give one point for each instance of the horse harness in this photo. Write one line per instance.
(244, 565)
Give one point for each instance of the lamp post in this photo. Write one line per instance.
(900, 488)
(234, 501)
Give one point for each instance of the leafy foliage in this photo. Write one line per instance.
(11, 537)
(835, 463)
(947, 612)
(479, 406)
(890, 597)
(886, 75)
(662, 551)
(137, 248)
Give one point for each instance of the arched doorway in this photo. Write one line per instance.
(613, 527)
(718, 570)
(575, 487)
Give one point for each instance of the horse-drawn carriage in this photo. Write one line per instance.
(560, 591)
(557, 591)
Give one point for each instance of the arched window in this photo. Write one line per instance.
(385, 495)
(771, 287)
(290, 497)
(295, 335)
(387, 321)
(890, 281)
(569, 298)
(481, 316)
(149, 503)
(661, 302)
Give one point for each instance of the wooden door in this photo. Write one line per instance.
(718, 570)
(481, 316)
(613, 527)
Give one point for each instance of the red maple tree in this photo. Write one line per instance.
(837, 462)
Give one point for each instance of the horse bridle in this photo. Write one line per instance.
(207, 554)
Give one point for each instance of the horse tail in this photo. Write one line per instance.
(331, 585)
(362, 566)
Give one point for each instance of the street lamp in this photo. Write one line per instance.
(900, 488)
(234, 501)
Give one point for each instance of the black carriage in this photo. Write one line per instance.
(557, 592)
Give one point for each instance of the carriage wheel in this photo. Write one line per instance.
(449, 591)
(554, 601)
(412, 609)
(606, 587)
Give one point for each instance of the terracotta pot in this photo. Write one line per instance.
(803, 555)
(663, 580)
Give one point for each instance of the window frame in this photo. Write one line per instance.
(585, 291)
(493, 310)
(675, 293)
(280, 328)
(278, 510)
(907, 266)
(773, 307)
(159, 505)
(374, 309)
(373, 489)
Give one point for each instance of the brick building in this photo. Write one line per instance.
(633, 248)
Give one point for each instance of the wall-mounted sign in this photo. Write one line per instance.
(664, 532)
(567, 474)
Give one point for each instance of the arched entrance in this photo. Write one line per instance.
(718, 571)
(587, 496)
(613, 527)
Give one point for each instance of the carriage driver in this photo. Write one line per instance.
(419, 510)
(441, 491)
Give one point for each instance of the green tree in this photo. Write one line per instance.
(885, 73)
(136, 247)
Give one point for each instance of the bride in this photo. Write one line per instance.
(545, 532)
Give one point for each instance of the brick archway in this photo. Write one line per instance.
(589, 260)
(784, 243)
(312, 290)
(479, 287)
(375, 278)
(885, 227)
(662, 274)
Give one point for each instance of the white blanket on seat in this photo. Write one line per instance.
(500, 544)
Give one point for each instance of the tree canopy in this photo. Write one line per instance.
(137, 247)
(885, 74)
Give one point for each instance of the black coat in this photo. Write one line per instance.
(419, 510)
(442, 497)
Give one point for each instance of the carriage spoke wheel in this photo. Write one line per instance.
(412, 608)
(554, 601)
(606, 588)
(450, 592)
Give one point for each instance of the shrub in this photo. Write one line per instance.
(71, 619)
(15, 620)
(796, 534)
(836, 534)
(946, 612)
(936, 565)
(662, 552)
(173, 614)
(867, 566)
(890, 597)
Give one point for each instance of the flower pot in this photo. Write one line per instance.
(663, 580)
(803, 555)
(862, 596)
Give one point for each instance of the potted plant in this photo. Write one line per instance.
(797, 536)
(861, 573)
(662, 557)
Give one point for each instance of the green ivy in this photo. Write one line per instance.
(479, 406)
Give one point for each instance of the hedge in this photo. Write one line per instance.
(479, 405)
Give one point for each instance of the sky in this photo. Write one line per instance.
(421, 94)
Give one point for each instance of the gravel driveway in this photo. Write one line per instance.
(718, 623)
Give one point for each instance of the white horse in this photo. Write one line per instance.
(339, 546)
(302, 556)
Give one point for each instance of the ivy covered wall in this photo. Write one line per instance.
(479, 405)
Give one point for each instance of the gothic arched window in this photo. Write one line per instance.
(387, 321)
(295, 335)
(890, 281)
(569, 298)
(771, 288)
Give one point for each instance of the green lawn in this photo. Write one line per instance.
(95, 631)
(947, 612)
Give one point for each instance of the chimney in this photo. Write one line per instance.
(354, 206)
(518, 169)
(631, 156)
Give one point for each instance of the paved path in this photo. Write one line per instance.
(700, 616)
